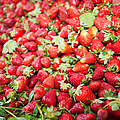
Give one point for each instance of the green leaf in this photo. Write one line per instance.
(35, 112)
(87, 19)
(11, 118)
(31, 96)
(9, 46)
(115, 107)
(119, 95)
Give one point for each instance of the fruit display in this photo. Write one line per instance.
(59, 59)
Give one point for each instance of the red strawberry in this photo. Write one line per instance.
(81, 67)
(39, 92)
(66, 116)
(44, 20)
(116, 10)
(3, 79)
(66, 103)
(45, 62)
(12, 70)
(29, 108)
(102, 23)
(17, 60)
(84, 94)
(74, 2)
(53, 51)
(30, 46)
(28, 60)
(2, 63)
(50, 98)
(98, 72)
(102, 114)
(94, 86)
(41, 75)
(76, 79)
(19, 71)
(113, 78)
(88, 58)
(10, 93)
(36, 64)
(116, 22)
(85, 38)
(106, 90)
(77, 108)
(86, 116)
(53, 12)
(96, 1)
(41, 32)
(22, 40)
(48, 82)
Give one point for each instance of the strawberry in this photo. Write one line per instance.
(19, 71)
(88, 58)
(77, 108)
(106, 90)
(33, 81)
(96, 1)
(48, 82)
(39, 92)
(86, 116)
(113, 65)
(41, 75)
(116, 10)
(10, 93)
(45, 61)
(49, 98)
(102, 114)
(102, 23)
(53, 12)
(94, 86)
(41, 32)
(76, 79)
(74, 2)
(66, 103)
(29, 108)
(31, 46)
(113, 78)
(85, 38)
(36, 64)
(98, 72)
(106, 1)
(84, 94)
(66, 116)
(116, 22)
(81, 67)
(44, 20)
(12, 70)
(3, 79)
(2, 63)
(92, 31)
(57, 61)
(28, 60)
(53, 51)
(17, 60)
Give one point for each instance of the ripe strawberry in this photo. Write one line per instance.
(116, 10)
(96, 1)
(106, 1)
(45, 62)
(76, 78)
(84, 94)
(116, 22)
(92, 31)
(49, 98)
(19, 71)
(86, 116)
(39, 92)
(102, 23)
(33, 81)
(98, 72)
(41, 32)
(113, 78)
(41, 75)
(66, 103)
(66, 116)
(44, 20)
(85, 38)
(57, 61)
(28, 60)
(36, 64)
(81, 67)
(10, 93)
(29, 108)
(74, 2)
(17, 60)
(106, 90)
(2, 63)
(94, 86)
(96, 46)
(48, 82)
(12, 70)
(88, 58)
(53, 51)
(31, 46)
(102, 114)
(3, 79)
(77, 108)
(53, 12)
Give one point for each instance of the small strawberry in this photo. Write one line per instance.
(46, 62)
(102, 114)
(81, 67)
(84, 94)
(96, 1)
(10, 93)
(19, 71)
(92, 31)
(3, 79)
(116, 10)
(77, 108)
(17, 60)
(33, 81)
(66, 116)
(41, 32)
(113, 78)
(49, 98)
(53, 51)
(48, 82)
(2, 63)
(74, 2)
(94, 86)
(31, 46)
(76, 79)
(28, 60)
(86, 116)
(12, 70)
(53, 12)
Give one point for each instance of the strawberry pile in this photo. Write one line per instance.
(59, 59)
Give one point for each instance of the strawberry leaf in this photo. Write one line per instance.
(9, 46)
(87, 19)
(31, 96)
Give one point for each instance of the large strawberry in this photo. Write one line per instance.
(66, 116)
